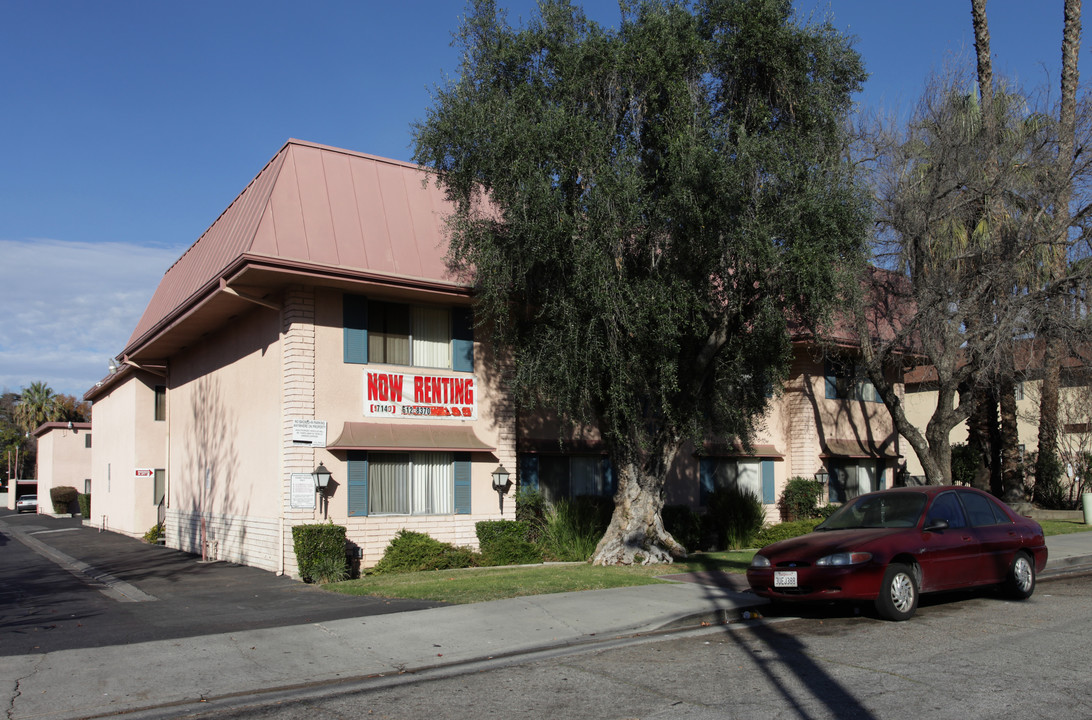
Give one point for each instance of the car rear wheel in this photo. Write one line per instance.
(1020, 583)
(898, 597)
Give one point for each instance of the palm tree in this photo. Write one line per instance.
(36, 405)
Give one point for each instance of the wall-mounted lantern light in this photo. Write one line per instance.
(501, 483)
(822, 476)
(321, 476)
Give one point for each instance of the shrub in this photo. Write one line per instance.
(684, 525)
(574, 527)
(800, 499)
(328, 569)
(411, 551)
(84, 500)
(62, 498)
(505, 542)
(734, 517)
(1050, 492)
(785, 530)
(531, 509)
(154, 534)
(318, 546)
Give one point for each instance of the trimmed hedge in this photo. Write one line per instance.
(84, 500)
(785, 530)
(320, 551)
(62, 498)
(505, 542)
(411, 551)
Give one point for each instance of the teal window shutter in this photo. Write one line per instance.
(355, 321)
(707, 467)
(768, 482)
(462, 339)
(358, 483)
(462, 483)
(528, 471)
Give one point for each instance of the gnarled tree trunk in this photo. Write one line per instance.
(636, 534)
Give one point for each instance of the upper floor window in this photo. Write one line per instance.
(845, 380)
(160, 402)
(87, 440)
(402, 334)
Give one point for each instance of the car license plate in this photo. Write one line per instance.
(784, 578)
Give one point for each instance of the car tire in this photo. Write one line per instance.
(898, 598)
(1020, 581)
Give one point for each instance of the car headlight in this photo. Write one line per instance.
(760, 561)
(845, 558)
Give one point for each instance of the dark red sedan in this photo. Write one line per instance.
(889, 546)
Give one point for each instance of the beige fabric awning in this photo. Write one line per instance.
(404, 437)
(858, 449)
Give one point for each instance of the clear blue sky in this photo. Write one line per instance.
(129, 125)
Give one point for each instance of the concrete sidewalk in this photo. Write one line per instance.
(170, 677)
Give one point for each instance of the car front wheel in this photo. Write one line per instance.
(898, 597)
(1020, 583)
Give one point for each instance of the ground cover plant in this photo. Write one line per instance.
(481, 584)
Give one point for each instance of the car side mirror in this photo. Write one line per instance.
(936, 525)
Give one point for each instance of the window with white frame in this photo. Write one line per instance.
(851, 478)
(845, 380)
(395, 333)
(561, 477)
(416, 483)
(408, 483)
(753, 475)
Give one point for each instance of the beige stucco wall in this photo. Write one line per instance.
(1074, 404)
(127, 438)
(63, 460)
(224, 416)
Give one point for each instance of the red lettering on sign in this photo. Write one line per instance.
(384, 387)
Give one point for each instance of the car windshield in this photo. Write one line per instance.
(883, 510)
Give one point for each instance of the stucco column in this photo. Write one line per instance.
(297, 403)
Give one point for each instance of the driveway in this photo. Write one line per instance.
(47, 605)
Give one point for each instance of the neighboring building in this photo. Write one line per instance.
(1074, 408)
(316, 322)
(129, 461)
(64, 459)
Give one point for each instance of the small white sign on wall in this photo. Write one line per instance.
(303, 491)
(311, 433)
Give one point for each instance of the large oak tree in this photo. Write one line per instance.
(641, 208)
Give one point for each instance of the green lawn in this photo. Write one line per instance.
(481, 584)
(1063, 527)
